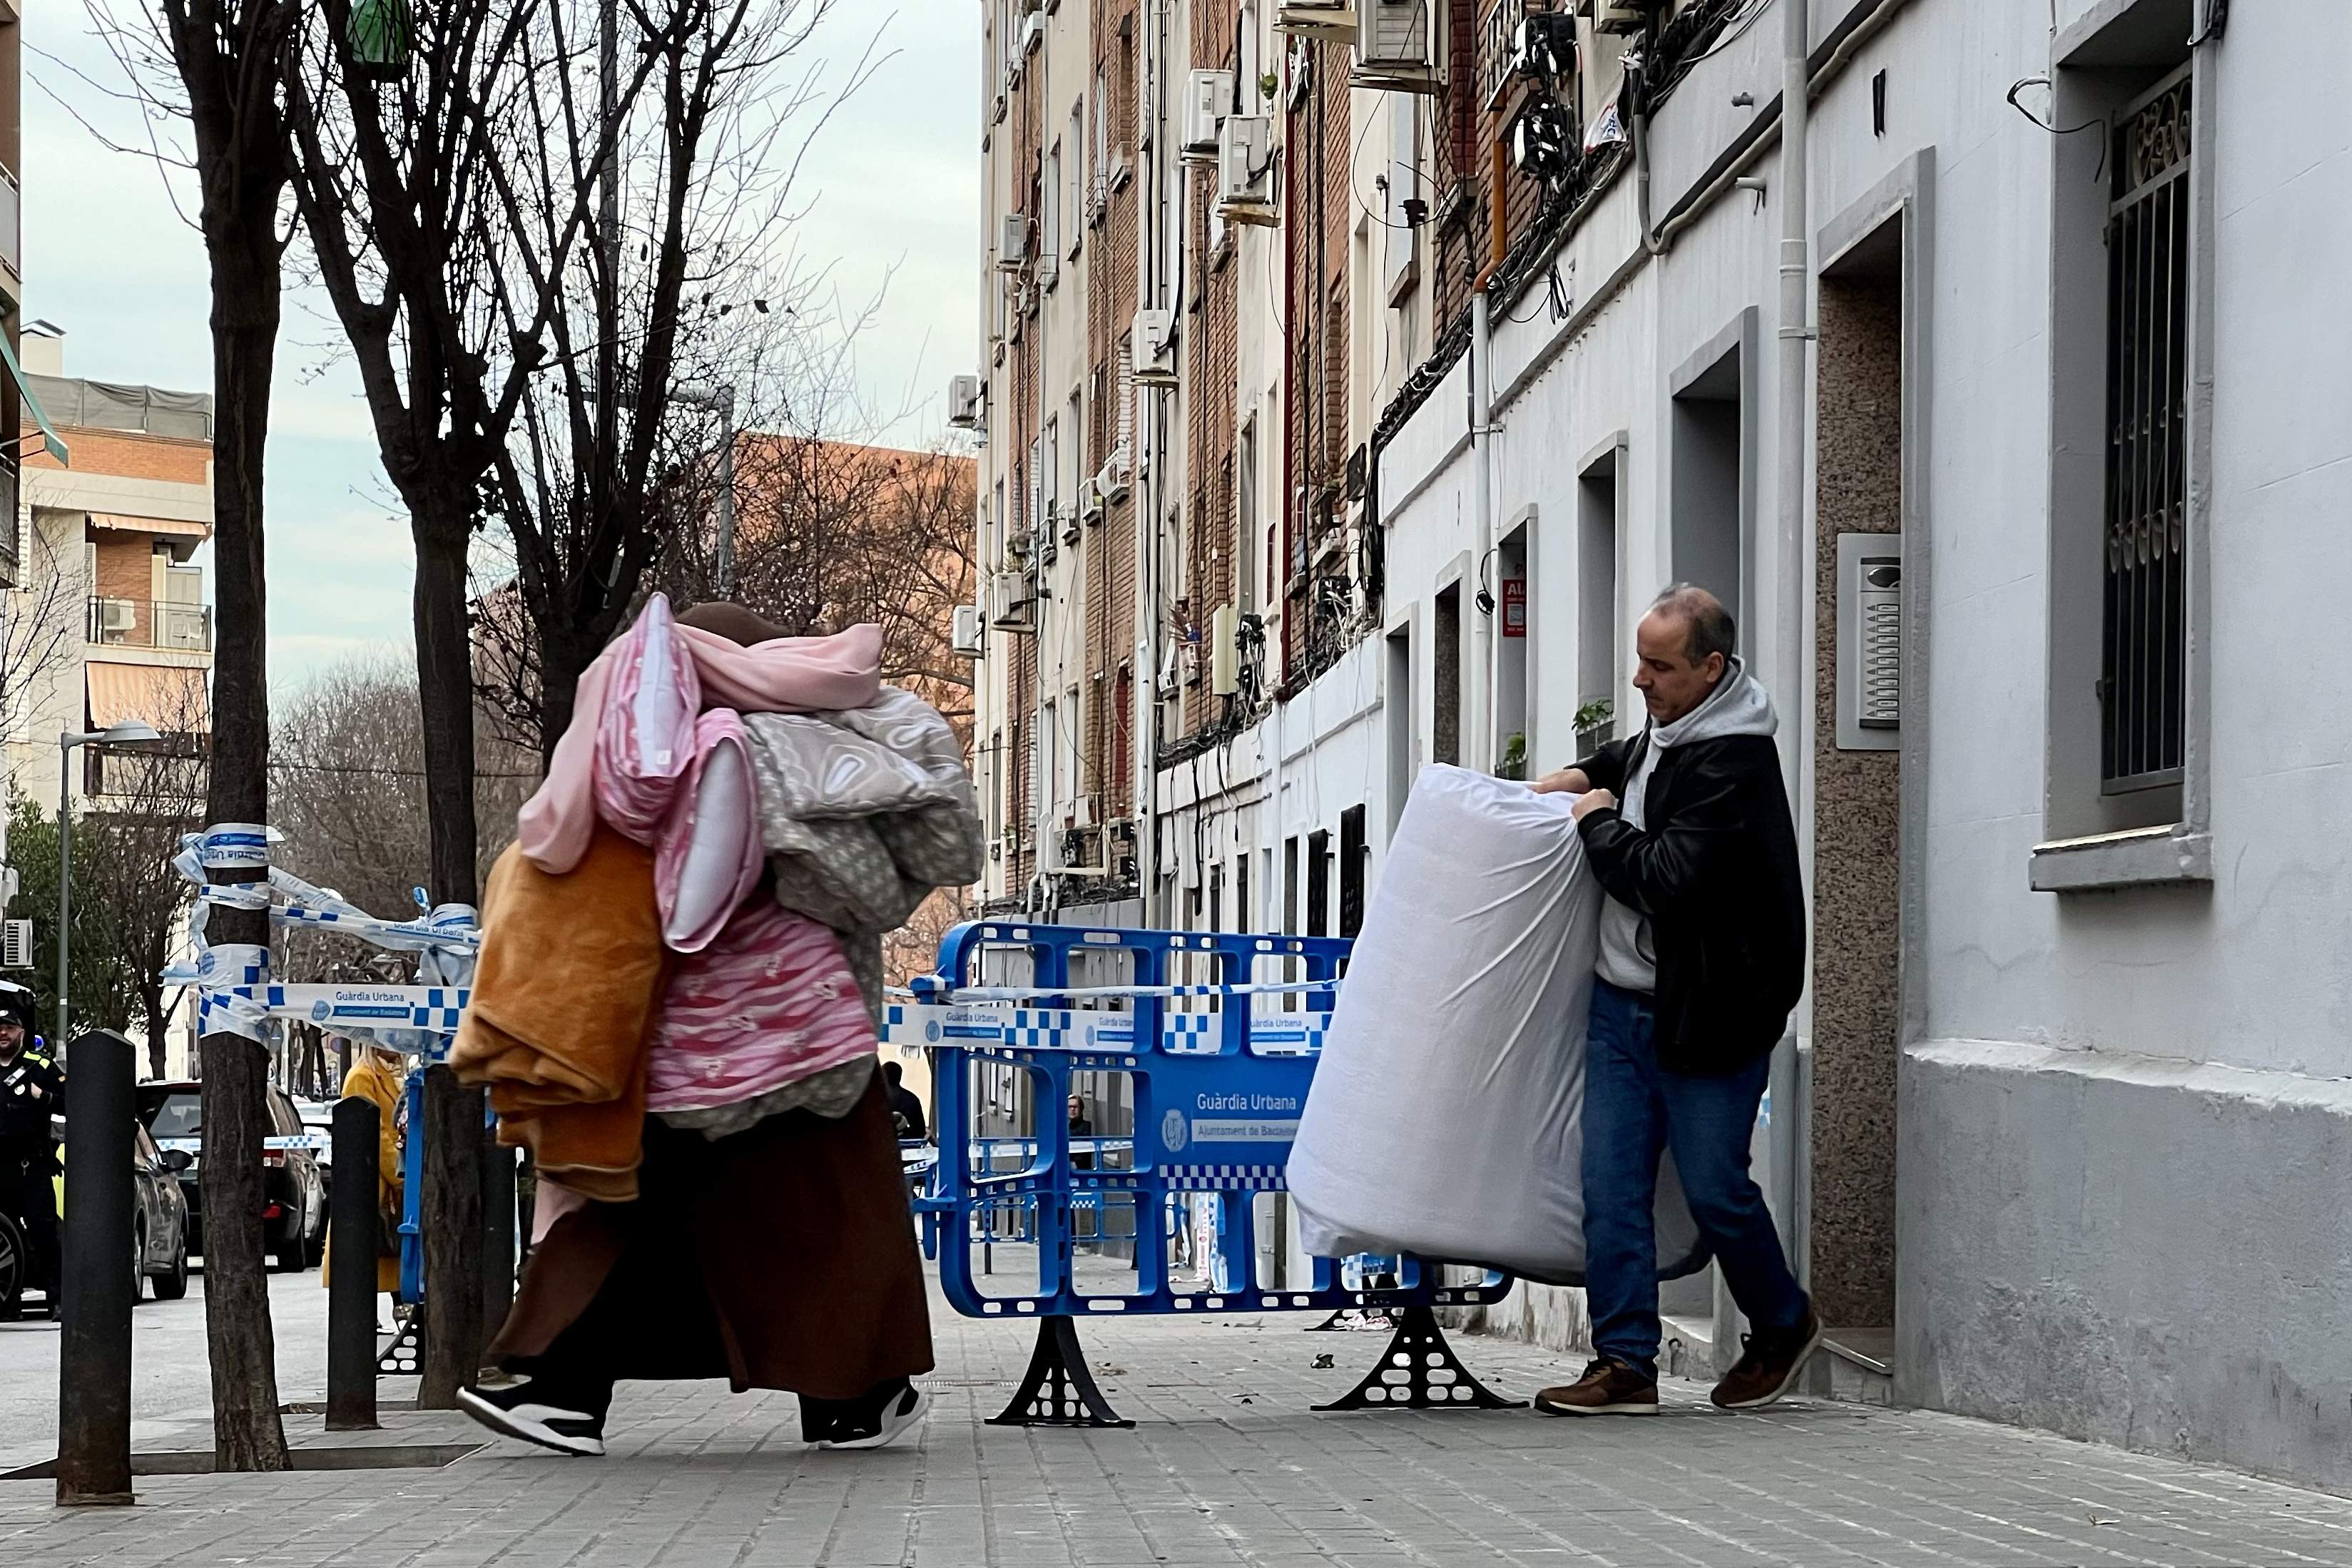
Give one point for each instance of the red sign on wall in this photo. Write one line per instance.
(1515, 607)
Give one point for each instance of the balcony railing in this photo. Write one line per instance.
(146, 623)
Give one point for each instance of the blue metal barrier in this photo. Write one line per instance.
(1220, 1067)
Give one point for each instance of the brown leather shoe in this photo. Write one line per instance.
(1767, 1364)
(1607, 1388)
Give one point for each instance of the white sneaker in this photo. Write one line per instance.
(897, 1416)
(510, 1409)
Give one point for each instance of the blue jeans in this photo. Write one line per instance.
(1635, 1111)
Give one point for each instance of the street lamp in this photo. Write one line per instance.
(704, 395)
(131, 734)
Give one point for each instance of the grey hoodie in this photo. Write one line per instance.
(1737, 706)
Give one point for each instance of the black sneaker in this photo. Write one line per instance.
(902, 1410)
(514, 1407)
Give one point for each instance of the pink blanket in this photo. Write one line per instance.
(767, 1004)
(789, 675)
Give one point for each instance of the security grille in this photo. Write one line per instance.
(2141, 679)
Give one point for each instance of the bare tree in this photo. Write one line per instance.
(40, 628)
(829, 534)
(350, 789)
(206, 75)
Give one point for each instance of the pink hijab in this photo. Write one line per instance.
(785, 675)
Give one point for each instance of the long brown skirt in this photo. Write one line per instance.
(781, 1257)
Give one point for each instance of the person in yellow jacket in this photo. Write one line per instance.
(376, 1075)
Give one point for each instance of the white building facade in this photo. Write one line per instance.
(2033, 565)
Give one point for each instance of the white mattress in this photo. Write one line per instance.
(1444, 1120)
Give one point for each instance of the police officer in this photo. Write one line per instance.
(32, 1090)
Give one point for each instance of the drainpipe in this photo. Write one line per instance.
(1481, 392)
(1791, 1078)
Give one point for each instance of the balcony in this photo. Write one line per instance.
(12, 230)
(9, 564)
(145, 623)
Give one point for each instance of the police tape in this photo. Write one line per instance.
(312, 1141)
(935, 994)
(235, 992)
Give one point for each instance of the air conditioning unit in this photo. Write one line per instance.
(966, 396)
(1151, 348)
(1208, 98)
(1543, 142)
(16, 944)
(967, 638)
(1012, 601)
(1032, 32)
(1048, 269)
(1069, 513)
(1224, 651)
(117, 616)
(1012, 242)
(1619, 16)
(1246, 169)
(1334, 20)
(1113, 480)
(1400, 46)
(1090, 501)
(1543, 46)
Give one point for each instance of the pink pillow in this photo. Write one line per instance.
(644, 727)
(771, 1002)
(708, 860)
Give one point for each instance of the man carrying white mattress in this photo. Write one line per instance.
(1702, 956)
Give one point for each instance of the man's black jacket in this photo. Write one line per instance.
(1715, 871)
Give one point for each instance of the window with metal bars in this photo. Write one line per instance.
(2142, 701)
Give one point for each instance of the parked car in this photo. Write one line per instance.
(294, 1193)
(318, 1121)
(159, 1231)
(161, 1227)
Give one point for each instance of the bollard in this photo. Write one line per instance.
(94, 1357)
(353, 1244)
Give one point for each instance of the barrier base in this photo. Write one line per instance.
(1059, 1389)
(1418, 1371)
(1338, 1323)
(405, 1355)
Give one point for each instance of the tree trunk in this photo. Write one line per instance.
(247, 1434)
(453, 1238)
(452, 1182)
(445, 687)
(158, 1022)
(561, 662)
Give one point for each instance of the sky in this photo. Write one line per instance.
(895, 185)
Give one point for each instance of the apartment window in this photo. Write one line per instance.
(1076, 144)
(1000, 779)
(1318, 882)
(1245, 539)
(1355, 865)
(1102, 137)
(1048, 762)
(1072, 761)
(2143, 623)
(1290, 885)
(1049, 230)
(1049, 470)
(1405, 187)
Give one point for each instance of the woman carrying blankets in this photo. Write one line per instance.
(675, 1011)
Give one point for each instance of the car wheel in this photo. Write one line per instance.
(13, 1261)
(139, 1263)
(173, 1284)
(289, 1250)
